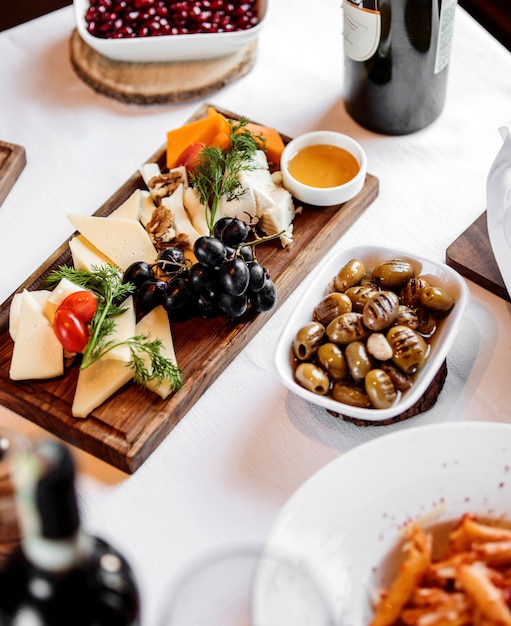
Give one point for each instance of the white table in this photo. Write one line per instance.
(225, 471)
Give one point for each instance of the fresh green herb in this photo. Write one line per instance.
(217, 172)
(105, 282)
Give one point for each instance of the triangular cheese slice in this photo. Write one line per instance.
(124, 329)
(85, 255)
(37, 352)
(122, 240)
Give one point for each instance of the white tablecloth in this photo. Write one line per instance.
(225, 471)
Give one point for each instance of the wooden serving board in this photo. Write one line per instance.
(130, 425)
(472, 256)
(12, 162)
(157, 83)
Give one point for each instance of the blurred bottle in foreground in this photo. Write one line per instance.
(60, 575)
(396, 59)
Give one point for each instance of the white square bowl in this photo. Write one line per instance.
(440, 274)
(168, 48)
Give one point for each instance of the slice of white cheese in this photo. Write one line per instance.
(196, 210)
(40, 296)
(124, 329)
(130, 208)
(97, 383)
(156, 325)
(37, 352)
(182, 222)
(122, 240)
(85, 255)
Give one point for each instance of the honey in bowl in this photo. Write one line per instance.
(324, 166)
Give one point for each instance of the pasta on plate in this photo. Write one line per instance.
(469, 583)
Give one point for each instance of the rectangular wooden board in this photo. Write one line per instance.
(12, 162)
(130, 425)
(472, 256)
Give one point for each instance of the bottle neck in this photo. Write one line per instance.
(57, 555)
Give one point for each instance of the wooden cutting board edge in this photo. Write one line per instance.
(12, 162)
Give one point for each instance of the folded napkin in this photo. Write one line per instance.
(498, 207)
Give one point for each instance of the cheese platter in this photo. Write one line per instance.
(125, 429)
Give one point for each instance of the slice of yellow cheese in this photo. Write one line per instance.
(37, 352)
(156, 325)
(122, 240)
(40, 296)
(97, 383)
(85, 255)
(124, 329)
(130, 208)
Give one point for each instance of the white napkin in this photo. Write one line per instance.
(498, 199)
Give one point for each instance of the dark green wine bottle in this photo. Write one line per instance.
(396, 60)
(61, 576)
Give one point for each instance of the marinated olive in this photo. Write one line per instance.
(401, 381)
(437, 298)
(331, 359)
(358, 359)
(407, 316)
(345, 328)
(380, 389)
(331, 306)
(380, 311)
(351, 394)
(313, 378)
(427, 322)
(393, 274)
(349, 275)
(409, 348)
(410, 293)
(379, 347)
(307, 340)
(359, 295)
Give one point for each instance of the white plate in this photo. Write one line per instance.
(345, 521)
(439, 274)
(168, 48)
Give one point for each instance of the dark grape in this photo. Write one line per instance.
(246, 252)
(176, 294)
(202, 278)
(264, 299)
(207, 304)
(209, 250)
(220, 225)
(137, 273)
(257, 276)
(149, 294)
(232, 306)
(234, 276)
(234, 233)
(171, 259)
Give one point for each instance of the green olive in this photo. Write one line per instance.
(332, 305)
(437, 298)
(393, 274)
(358, 359)
(307, 340)
(346, 328)
(380, 311)
(349, 275)
(380, 389)
(313, 378)
(331, 359)
(351, 394)
(410, 349)
(410, 293)
(359, 295)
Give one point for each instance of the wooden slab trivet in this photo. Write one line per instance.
(472, 256)
(12, 162)
(426, 402)
(158, 83)
(126, 429)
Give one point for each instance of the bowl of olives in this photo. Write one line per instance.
(371, 332)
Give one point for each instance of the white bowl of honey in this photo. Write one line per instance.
(323, 168)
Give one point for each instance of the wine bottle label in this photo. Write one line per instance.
(362, 28)
(445, 31)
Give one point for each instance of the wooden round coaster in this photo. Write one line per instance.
(421, 406)
(157, 83)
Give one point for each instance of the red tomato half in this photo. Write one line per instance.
(70, 331)
(190, 156)
(81, 303)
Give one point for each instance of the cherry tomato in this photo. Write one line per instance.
(70, 331)
(81, 303)
(190, 156)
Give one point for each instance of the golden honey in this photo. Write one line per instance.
(323, 165)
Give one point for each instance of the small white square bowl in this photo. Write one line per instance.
(168, 48)
(440, 275)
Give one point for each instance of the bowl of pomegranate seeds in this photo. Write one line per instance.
(152, 31)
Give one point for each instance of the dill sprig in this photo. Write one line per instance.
(106, 283)
(217, 171)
